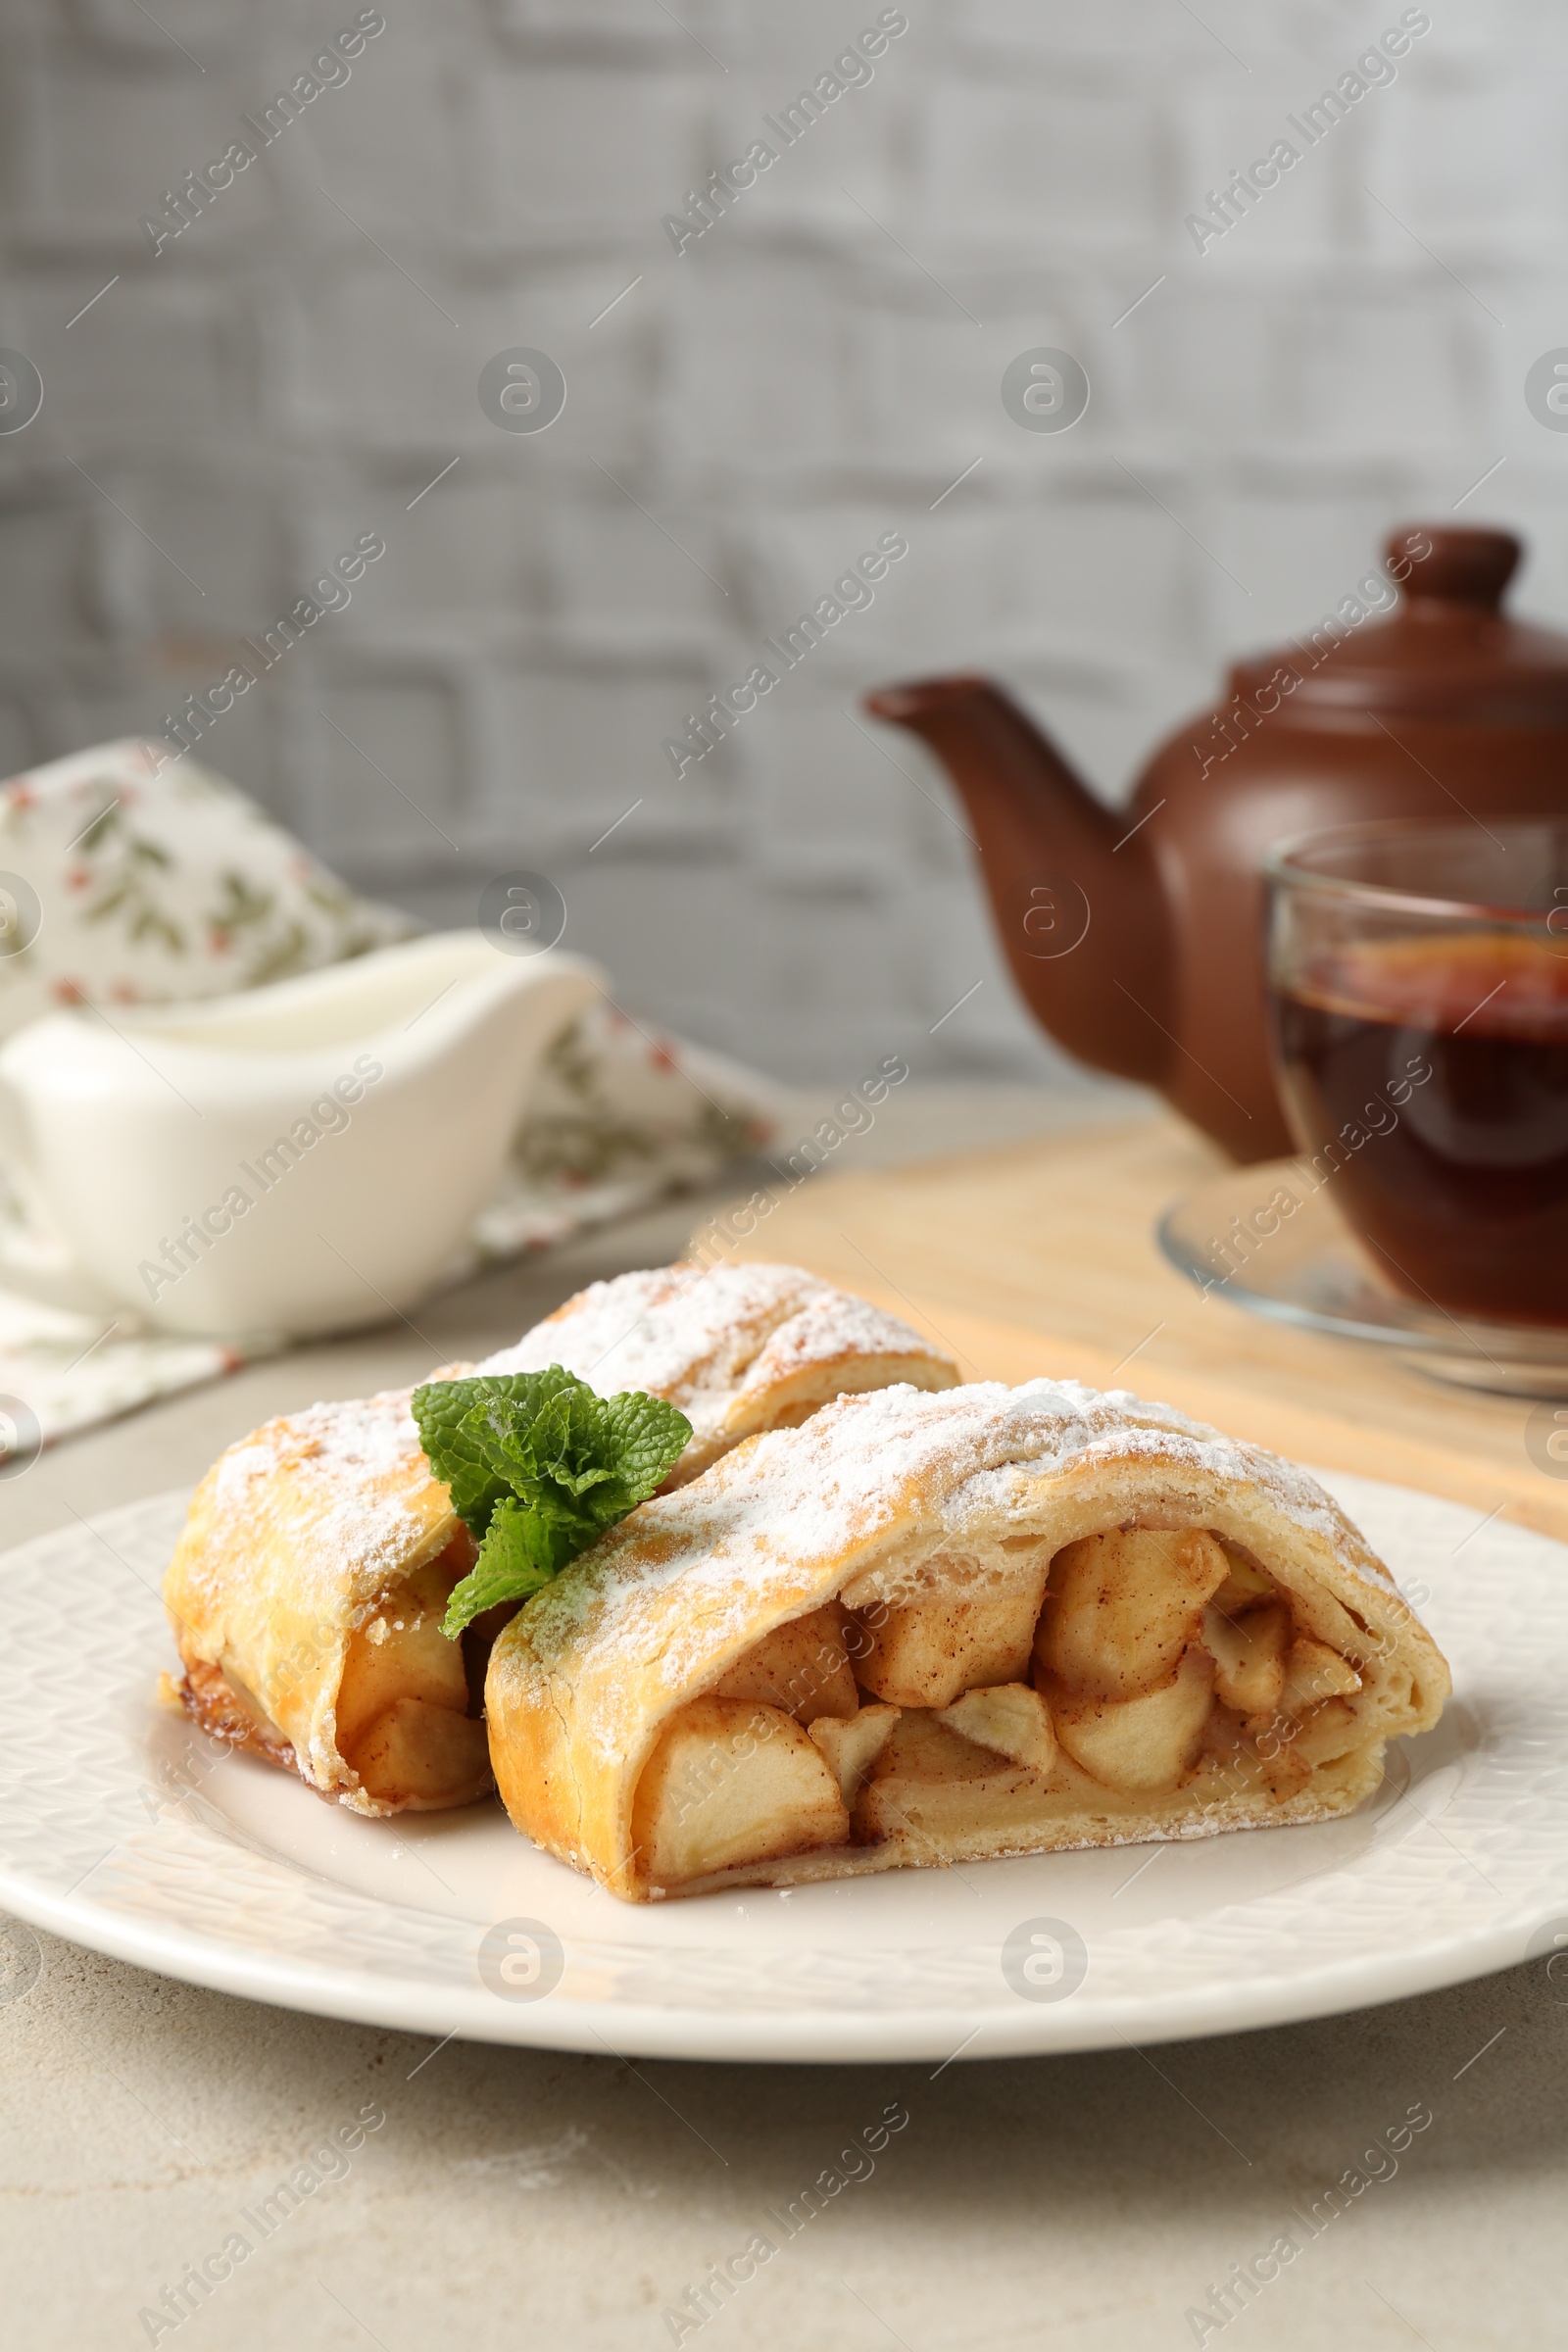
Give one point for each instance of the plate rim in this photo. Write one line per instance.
(837, 2037)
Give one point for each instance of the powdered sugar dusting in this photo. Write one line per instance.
(359, 1490)
(772, 1513)
(238, 1467)
(832, 1325)
(701, 1337)
(371, 1434)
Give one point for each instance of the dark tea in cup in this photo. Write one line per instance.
(1419, 987)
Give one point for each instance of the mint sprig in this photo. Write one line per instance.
(538, 1468)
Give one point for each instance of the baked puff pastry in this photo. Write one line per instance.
(738, 1348)
(931, 1628)
(305, 1594)
(307, 1588)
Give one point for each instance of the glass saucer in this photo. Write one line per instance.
(1269, 1239)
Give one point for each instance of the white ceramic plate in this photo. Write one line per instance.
(120, 1830)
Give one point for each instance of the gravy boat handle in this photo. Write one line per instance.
(35, 1258)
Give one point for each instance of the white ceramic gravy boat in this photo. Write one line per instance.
(302, 1158)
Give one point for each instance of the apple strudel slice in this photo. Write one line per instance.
(310, 1584)
(307, 1593)
(931, 1628)
(738, 1348)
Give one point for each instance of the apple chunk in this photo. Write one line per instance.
(422, 1757)
(801, 1667)
(1146, 1743)
(732, 1782)
(1248, 1654)
(1124, 1605)
(401, 1652)
(1012, 1719)
(1312, 1672)
(1245, 1586)
(923, 1653)
(1327, 1732)
(931, 1784)
(853, 1745)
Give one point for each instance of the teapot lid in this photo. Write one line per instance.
(1448, 651)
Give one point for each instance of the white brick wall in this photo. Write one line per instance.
(815, 369)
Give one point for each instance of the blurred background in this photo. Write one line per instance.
(229, 407)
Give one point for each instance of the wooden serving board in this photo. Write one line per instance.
(1041, 1258)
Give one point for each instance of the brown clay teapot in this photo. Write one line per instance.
(1136, 934)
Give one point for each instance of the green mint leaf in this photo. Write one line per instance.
(515, 1559)
(440, 1408)
(646, 1438)
(539, 1467)
(532, 1439)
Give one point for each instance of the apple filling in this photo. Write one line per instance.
(1132, 1672)
(406, 1721)
(406, 1718)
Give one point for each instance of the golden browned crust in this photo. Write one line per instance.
(292, 1539)
(217, 1708)
(858, 1505)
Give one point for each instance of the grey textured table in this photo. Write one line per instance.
(518, 2198)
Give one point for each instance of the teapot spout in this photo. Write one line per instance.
(1077, 899)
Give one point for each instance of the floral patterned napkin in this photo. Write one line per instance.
(131, 876)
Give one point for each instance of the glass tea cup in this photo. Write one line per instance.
(1418, 986)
